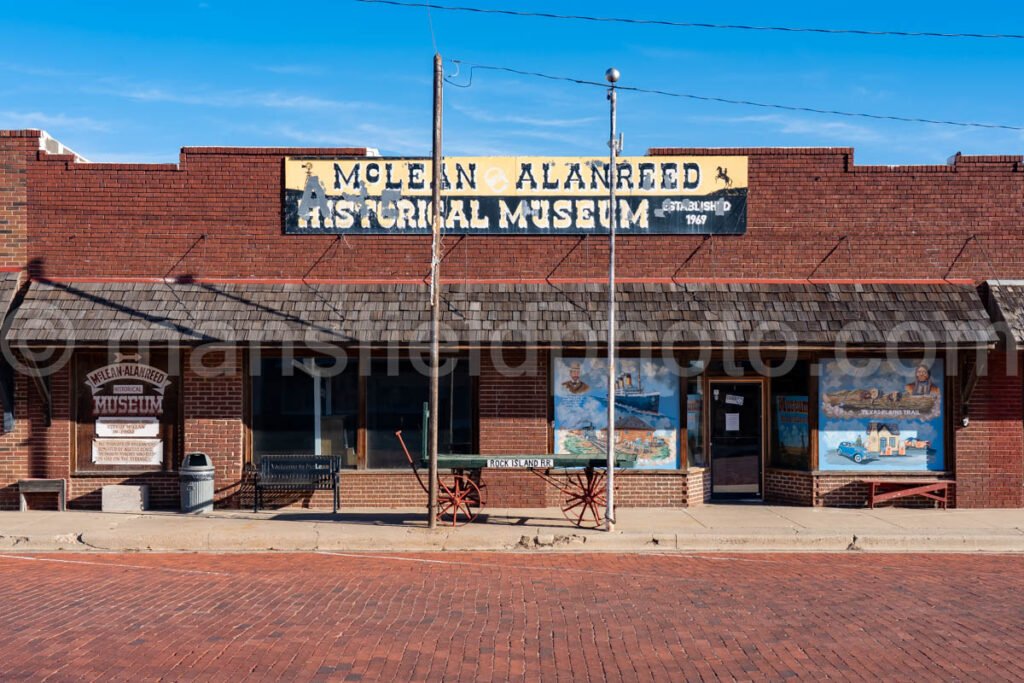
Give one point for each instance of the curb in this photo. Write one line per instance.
(309, 540)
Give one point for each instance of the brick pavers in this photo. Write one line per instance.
(497, 617)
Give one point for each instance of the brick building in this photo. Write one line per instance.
(159, 309)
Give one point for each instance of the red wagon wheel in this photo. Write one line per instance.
(586, 494)
(460, 502)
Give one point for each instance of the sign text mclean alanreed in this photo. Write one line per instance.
(516, 195)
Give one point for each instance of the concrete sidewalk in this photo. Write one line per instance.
(708, 528)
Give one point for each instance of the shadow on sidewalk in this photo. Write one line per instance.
(407, 519)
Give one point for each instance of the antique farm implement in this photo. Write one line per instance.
(581, 479)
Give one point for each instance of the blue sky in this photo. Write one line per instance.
(120, 81)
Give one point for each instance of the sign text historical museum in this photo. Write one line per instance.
(127, 404)
(516, 195)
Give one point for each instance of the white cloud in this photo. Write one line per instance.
(52, 122)
(292, 69)
(234, 98)
(310, 137)
(390, 139)
(396, 138)
(795, 125)
(132, 158)
(540, 122)
(42, 72)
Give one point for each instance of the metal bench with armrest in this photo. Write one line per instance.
(296, 473)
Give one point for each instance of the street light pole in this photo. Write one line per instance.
(612, 76)
(435, 293)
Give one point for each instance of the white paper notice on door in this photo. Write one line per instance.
(732, 422)
(734, 399)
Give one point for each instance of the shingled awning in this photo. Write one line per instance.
(8, 286)
(1006, 304)
(8, 291)
(649, 314)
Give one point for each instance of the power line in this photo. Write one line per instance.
(692, 24)
(721, 100)
(433, 37)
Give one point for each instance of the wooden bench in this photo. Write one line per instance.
(883, 490)
(58, 486)
(296, 473)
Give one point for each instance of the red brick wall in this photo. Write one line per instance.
(850, 491)
(513, 408)
(213, 418)
(698, 486)
(814, 211)
(16, 148)
(788, 487)
(212, 424)
(30, 449)
(34, 450)
(501, 489)
(86, 492)
(399, 489)
(650, 489)
(990, 451)
(14, 461)
(218, 215)
(48, 448)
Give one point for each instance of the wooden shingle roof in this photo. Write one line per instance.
(1006, 302)
(8, 285)
(649, 314)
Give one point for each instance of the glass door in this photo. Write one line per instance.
(736, 438)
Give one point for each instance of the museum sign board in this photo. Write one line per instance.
(516, 195)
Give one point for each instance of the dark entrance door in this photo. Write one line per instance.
(736, 439)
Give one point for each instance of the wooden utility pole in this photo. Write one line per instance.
(435, 291)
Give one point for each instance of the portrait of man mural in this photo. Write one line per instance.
(575, 385)
(922, 384)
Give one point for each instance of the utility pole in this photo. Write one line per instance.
(612, 76)
(435, 291)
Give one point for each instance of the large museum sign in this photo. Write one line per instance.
(516, 195)
(126, 413)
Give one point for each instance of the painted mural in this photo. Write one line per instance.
(647, 410)
(792, 431)
(882, 416)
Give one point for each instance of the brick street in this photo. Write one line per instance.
(496, 617)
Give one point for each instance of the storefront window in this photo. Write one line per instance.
(305, 406)
(791, 430)
(394, 401)
(695, 422)
(878, 415)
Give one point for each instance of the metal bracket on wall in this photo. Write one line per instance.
(42, 384)
(968, 382)
(833, 250)
(7, 393)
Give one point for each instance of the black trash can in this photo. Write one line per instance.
(196, 483)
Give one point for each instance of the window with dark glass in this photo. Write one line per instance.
(395, 394)
(790, 428)
(305, 406)
(695, 420)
